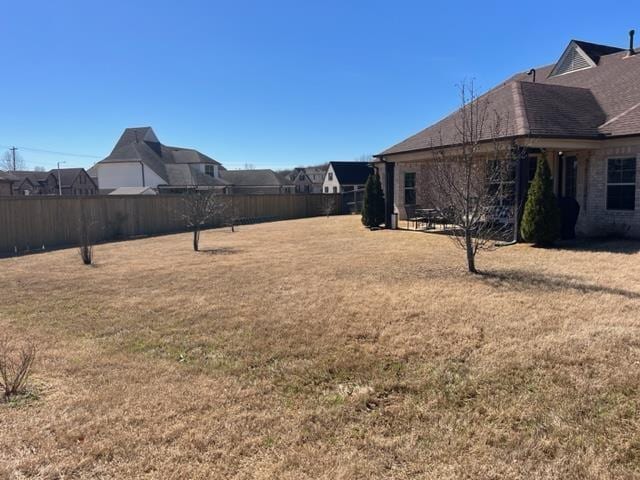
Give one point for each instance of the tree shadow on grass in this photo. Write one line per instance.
(605, 245)
(520, 281)
(220, 251)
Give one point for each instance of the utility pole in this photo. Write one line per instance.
(13, 155)
(59, 180)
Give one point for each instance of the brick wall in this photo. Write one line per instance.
(594, 218)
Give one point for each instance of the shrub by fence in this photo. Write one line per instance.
(28, 223)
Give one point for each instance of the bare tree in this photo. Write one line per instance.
(365, 158)
(6, 162)
(85, 237)
(16, 362)
(329, 205)
(200, 208)
(470, 183)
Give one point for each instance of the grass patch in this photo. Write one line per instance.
(318, 349)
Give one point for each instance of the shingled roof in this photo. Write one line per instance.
(254, 178)
(7, 177)
(351, 173)
(67, 176)
(175, 165)
(600, 101)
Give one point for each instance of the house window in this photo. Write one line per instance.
(210, 170)
(621, 184)
(335, 189)
(326, 189)
(330, 175)
(410, 188)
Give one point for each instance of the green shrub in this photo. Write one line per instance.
(373, 208)
(541, 219)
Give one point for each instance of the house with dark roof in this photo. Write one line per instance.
(582, 113)
(64, 181)
(342, 177)
(140, 160)
(6, 183)
(33, 183)
(74, 181)
(257, 181)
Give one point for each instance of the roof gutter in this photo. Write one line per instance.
(601, 136)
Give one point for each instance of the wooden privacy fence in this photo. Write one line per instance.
(29, 223)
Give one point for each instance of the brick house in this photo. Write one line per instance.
(582, 112)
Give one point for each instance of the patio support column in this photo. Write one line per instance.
(389, 194)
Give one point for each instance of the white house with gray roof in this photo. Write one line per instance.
(140, 160)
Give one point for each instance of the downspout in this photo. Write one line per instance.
(142, 167)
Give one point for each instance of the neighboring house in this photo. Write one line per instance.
(140, 160)
(257, 182)
(293, 173)
(308, 180)
(582, 112)
(34, 183)
(133, 191)
(25, 186)
(6, 182)
(342, 177)
(74, 181)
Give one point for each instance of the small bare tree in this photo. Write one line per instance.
(200, 208)
(329, 204)
(85, 237)
(468, 183)
(16, 362)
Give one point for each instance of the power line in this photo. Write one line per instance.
(40, 150)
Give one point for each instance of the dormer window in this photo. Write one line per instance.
(210, 170)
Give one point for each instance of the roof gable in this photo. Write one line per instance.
(351, 173)
(581, 55)
(574, 58)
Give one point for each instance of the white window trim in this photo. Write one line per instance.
(606, 183)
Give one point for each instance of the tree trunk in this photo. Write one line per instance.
(196, 239)
(471, 256)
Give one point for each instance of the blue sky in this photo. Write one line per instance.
(271, 83)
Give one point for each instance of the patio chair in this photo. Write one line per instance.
(414, 214)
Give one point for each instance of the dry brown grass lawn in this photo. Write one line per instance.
(317, 349)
